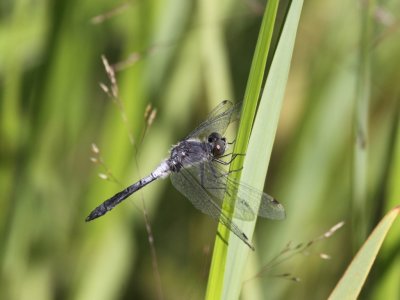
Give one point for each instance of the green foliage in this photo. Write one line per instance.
(351, 283)
(262, 137)
(185, 57)
(219, 272)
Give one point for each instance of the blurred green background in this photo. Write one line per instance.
(184, 57)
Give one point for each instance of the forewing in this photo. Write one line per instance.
(248, 199)
(220, 108)
(218, 120)
(215, 180)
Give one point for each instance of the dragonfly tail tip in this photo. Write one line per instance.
(93, 215)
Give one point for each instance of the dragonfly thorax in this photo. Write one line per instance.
(188, 153)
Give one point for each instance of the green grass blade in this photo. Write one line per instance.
(387, 286)
(261, 141)
(217, 270)
(354, 278)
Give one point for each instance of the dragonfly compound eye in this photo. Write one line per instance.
(218, 148)
(214, 137)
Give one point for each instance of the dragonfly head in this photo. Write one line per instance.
(217, 143)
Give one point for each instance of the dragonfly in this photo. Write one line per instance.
(197, 168)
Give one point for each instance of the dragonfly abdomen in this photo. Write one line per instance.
(110, 203)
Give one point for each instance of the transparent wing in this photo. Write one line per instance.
(208, 183)
(224, 106)
(249, 201)
(218, 120)
(187, 182)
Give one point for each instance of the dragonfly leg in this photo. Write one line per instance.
(227, 173)
(234, 155)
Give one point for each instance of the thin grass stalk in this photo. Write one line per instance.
(360, 147)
